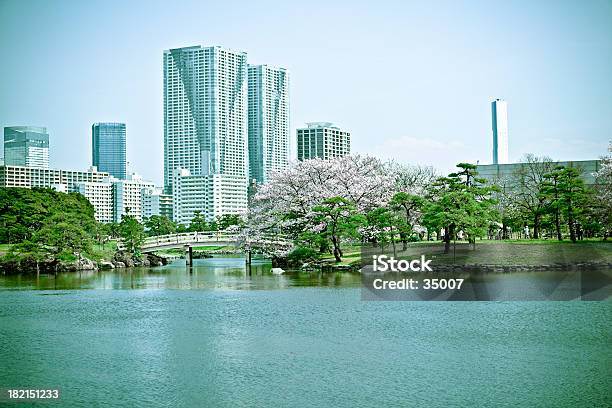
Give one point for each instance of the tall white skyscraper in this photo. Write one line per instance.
(268, 121)
(205, 120)
(499, 111)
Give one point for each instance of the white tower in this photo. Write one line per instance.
(499, 111)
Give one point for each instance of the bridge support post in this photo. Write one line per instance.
(248, 261)
(189, 255)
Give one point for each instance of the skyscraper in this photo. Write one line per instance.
(323, 140)
(108, 148)
(268, 121)
(499, 111)
(205, 121)
(26, 146)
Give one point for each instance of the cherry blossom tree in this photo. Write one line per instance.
(285, 203)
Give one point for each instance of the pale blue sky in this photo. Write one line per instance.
(411, 80)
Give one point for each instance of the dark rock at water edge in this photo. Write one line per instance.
(126, 260)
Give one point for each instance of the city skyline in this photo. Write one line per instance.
(557, 90)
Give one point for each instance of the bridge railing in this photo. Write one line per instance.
(210, 237)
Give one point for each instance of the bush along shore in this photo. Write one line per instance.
(23, 264)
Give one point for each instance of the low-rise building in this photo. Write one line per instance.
(213, 195)
(496, 172)
(100, 195)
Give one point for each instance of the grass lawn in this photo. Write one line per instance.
(508, 252)
(213, 248)
(513, 252)
(103, 252)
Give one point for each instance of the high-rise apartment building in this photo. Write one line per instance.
(499, 113)
(155, 202)
(26, 146)
(322, 140)
(128, 196)
(205, 121)
(108, 148)
(268, 111)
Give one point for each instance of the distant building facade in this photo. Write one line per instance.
(100, 195)
(28, 177)
(128, 196)
(155, 202)
(499, 119)
(108, 150)
(322, 140)
(268, 120)
(497, 172)
(214, 196)
(26, 146)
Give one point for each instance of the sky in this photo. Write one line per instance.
(411, 80)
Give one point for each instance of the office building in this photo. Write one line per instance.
(499, 114)
(323, 140)
(268, 111)
(26, 146)
(108, 148)
(205, 122)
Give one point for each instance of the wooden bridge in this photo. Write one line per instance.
(188, 240)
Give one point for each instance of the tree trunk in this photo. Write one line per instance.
(558, 225)
(446, 240)
(536, 226)
(570, 224)
(337, 252)
(404, 239)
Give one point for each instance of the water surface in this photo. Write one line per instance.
(296, 340)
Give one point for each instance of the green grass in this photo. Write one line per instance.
(213, 248)
(513, 253)
(5, 247)
(102, 252)
(494, 252)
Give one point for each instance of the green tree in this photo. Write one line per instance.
(568, 197)
(159, 225)
(460, 202)
(198, 222)
(132, 233)
(385, 225)
(336, 218)
(551, 192)
(23, 211)
(229, 220)
(411, 206)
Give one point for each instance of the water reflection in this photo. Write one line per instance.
(211, 274)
